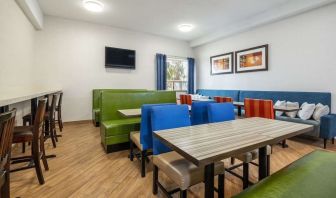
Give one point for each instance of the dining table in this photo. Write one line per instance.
(129, 113)
(203, 145)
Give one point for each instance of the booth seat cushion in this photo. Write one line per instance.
(135, 137)
(316, 124)
(181, 171)
(118, 127)
(311, 176)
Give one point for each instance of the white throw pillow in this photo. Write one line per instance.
(280, 104)
(306, 111)
(292, 105)
(320, 110)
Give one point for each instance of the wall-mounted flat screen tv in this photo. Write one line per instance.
(119, 58)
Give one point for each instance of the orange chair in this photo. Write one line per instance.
(258, 108)
(185, 99)
(221, 99)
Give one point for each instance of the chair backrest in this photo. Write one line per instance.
(258, 108)
(52, 107)
(221, 99)
(199, 112)
(220, 112)
(60, 101)
(185, 99)
(168, 117)
(7, 121)
(38, 123)
(146, 139)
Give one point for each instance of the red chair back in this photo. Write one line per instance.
(221, 99)
(258, 108)
(185, 99)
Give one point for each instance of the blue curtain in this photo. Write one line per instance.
(161, 70)
(191, 75)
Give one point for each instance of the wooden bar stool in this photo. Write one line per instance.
(50, 122)
(59, 112)
(35, 135)
(7, 121)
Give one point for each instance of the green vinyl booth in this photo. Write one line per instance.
(114, 127)
(96, 94)
(311, 176)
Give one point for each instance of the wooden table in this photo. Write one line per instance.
(206, 144)
(130, 112)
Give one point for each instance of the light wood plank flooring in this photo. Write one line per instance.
(82, 169)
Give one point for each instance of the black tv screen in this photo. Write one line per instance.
(119, 58)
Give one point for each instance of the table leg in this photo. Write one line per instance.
(4, 109)
(262, 163)
(209, 176)
(33, 108)
(284, 144)
(239, 110)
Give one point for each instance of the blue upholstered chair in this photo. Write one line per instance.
(199, 112)
(221, 112)
(181, 171)
(143, 139)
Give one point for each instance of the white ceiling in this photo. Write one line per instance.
(161, 17)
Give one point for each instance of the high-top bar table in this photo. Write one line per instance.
(206, 144)
(32, 95)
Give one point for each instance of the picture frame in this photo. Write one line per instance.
(252, 59)
(221, 64)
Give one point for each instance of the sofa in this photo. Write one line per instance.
(311, 176)
(115, 128)
(325, 128)
(96, 93)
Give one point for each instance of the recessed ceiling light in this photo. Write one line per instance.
(93, 5)
(185, 27)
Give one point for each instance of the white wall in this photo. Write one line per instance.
(302, 53)
(16, 46)
(70, 54)
(17, 37)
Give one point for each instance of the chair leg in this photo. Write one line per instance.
(325, 143)
(245, 175)
(131, 150)
(37, 165)
(155, 180)
(23, 147)
(143, 163)
(232, 160)
(268, 165)
(52, 135)
(221, 185)
(183, 193)
(6, 186)
(44, 158)
(60, 123)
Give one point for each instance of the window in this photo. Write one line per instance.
(177, 74)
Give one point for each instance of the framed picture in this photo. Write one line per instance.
(252, 59)
(222, 64)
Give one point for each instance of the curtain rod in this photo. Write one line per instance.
(180, 57)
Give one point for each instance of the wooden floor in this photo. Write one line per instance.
(82, 169)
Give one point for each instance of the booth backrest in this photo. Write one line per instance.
(234, 94)
(112, 102)
(97, 92)
(301, 97)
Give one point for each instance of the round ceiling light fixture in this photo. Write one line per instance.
(185, 27)
(93, 5)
